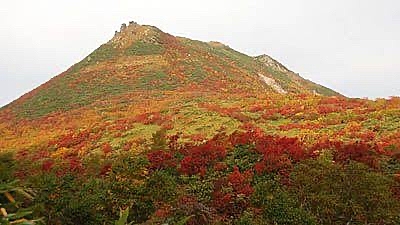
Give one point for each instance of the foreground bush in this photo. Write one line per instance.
(242, 178)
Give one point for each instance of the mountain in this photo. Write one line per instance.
(157, 129)
(142, 59)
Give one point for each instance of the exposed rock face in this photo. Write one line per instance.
(270, 62)
(272, 83)
(123, 27)
(276, 70)
(129, 34)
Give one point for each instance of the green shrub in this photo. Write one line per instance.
(161, 186)
(249, 218)
(243, 157)
(201, 188)
(159, 140)
(339, 194)
(7, 167)
(61, 199)
(278, 206)
(142, 208)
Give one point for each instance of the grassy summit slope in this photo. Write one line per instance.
(143, 58)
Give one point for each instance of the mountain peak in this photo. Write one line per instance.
(135, 32)
(142, 60)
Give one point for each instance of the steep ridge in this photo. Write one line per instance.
(276, 69)
(143, 59)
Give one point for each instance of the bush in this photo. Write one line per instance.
(250, 218)
(7, 167)
(242, 156)
(278, 206)
(339, 194)
(161, 186)
(62, 201)
(201, 188)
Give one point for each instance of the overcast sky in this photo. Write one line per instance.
(352, 46)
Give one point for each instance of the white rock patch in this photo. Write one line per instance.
(315, 92)
(272, 83)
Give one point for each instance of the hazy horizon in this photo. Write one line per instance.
(351, 47)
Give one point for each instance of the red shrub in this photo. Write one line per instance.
(75, 164)
(257, 108)
(105, 169)
(326, 109)
(273, 163)
(231, 194)
(161, 160)
(223, 202)
(220, 166)
(240, 182)
(39, 155)
(127, 146)
(231, 112)
(163, 212)
(107, 149)
(239, 116)
(47, 165)
(173, 142)
(197, 137)
(281, 146)
(71, 139)
(240, 138)
(357, 151)
(198, 158)
(190, 165)
(168, 126)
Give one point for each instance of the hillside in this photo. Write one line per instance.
(168, 130)
(142, 59)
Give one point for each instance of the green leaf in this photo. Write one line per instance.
(184, 220)
(19, 214)
(123, 217)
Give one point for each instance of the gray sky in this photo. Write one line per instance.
(352, 46)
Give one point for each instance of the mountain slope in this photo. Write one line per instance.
(277, 70)
(143, 59)
(181, 131)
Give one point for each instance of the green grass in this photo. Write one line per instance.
(243, 61)
(103, 53)
(60, 96)
(198, 121)
(196, 74)
(139, 130)
(141, 48)
(156, 80)
(322, 90)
